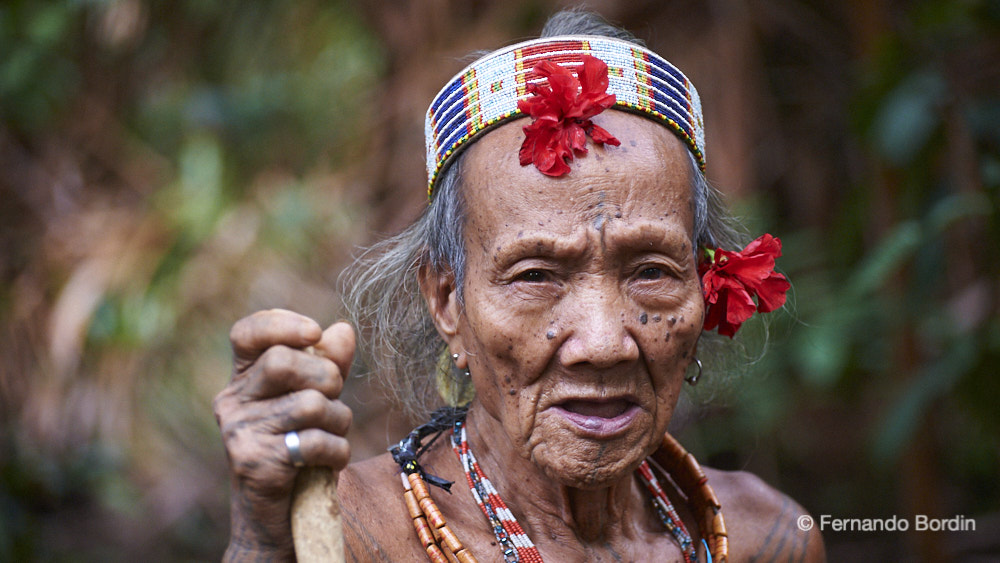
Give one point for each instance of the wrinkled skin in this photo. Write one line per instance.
(277, 387)
(582, 310)
(586, 298)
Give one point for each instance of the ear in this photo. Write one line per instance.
(441, 295)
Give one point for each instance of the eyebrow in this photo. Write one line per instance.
(542, 244)
(530, 243)
(622, 237)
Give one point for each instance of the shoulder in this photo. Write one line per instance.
(376, 524)
(764, 524)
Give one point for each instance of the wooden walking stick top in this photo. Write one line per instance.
(316, 530)
(316, 517)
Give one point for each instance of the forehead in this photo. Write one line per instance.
(646, 179)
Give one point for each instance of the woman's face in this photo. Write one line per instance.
(582, 300)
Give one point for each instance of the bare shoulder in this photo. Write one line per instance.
(764, 524)
(374, 517)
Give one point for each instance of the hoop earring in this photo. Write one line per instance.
(693, 379)
(465, 372)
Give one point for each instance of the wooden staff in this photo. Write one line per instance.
(316, 529)
(316, 517)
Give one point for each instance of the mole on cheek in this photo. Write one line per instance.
(550, 334)
(643, 318)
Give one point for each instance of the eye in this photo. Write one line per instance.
(533, 276)
(651, 273)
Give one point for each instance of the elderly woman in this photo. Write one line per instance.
(554, 292)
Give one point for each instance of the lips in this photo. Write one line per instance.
(598, 418)
(600, 409)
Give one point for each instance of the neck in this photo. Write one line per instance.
(545, 507)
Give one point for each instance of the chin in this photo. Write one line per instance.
(582, 463)
(578, 474)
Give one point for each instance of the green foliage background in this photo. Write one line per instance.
(168, 167)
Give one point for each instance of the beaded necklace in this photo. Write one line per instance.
(443, 546)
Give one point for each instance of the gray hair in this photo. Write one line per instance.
(397, 338)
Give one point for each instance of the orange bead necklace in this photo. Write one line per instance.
(443, 546)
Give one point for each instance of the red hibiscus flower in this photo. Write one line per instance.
(561, 114)
(730, 281)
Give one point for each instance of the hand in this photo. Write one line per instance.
(279, 386)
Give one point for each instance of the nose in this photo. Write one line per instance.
(596, 320)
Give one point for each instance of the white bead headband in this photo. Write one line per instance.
(486, 92)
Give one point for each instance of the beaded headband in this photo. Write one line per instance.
(485, 94)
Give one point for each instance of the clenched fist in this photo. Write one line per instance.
(287, 376)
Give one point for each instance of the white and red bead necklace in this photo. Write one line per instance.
(442, 545)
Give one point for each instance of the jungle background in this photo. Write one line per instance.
(167, 167)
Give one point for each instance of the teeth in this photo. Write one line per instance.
(602, 409)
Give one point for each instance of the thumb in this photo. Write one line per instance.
(338, 344)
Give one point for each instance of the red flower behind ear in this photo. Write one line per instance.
(561, 115)
(730, 281)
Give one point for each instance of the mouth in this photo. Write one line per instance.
(598, 418)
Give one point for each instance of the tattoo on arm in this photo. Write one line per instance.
(366, 547)
(785, 542)
(614, 554)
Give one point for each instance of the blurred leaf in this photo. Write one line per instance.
(37, 79)
(957, 207)
(983, 117)
(292, 217)
(901, 242)
(909, 237)
(908, 117)
(930, 384)
(49, 23)
(194, 202)
(991, 172)
(823, 349)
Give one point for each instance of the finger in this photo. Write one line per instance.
(310, 409)
(338, 344)
(323, 449)
(282, 370)
(252, 335)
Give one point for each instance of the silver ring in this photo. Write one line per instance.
(294, 451)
